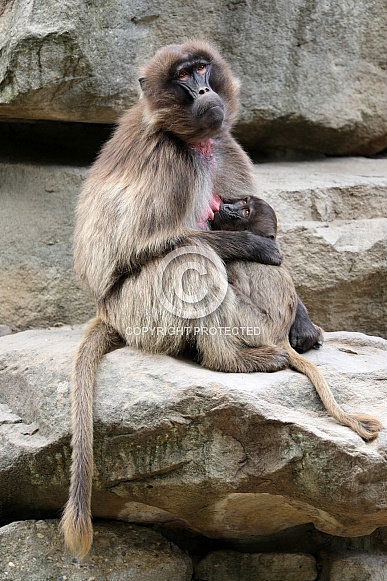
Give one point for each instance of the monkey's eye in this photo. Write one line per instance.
(246, 213)
(183, 75)
(201, 69)
(242, 202)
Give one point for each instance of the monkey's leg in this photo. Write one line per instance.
(230, 339)
(303, 333)
(244, 360)
(183, 287)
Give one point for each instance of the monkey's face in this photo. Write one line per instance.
(248, 213)
(237, 216)
(192, 79)
(189, 91)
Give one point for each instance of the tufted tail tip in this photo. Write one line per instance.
(366, 426)
(78, 532)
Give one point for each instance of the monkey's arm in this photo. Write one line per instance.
(232, 245)
(304, 334)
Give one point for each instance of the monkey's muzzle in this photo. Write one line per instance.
(225, 217)
(209, 108)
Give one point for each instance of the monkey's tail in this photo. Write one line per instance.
(76, 520)
(366, 426)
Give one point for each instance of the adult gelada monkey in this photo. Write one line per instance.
(273, 296)
(138, 216)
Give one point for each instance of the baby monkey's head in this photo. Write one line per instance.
(249, 213)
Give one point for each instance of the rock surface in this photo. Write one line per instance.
(5, 330)
(313, 75)
(33, 550)
(231, 456)
(230, 566)
(38, 285)
(356, 567)
(332, 232)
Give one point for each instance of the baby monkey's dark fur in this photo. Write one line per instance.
(272, 291)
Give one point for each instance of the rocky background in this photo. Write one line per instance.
(225, 477)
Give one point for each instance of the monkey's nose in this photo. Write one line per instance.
(205, 90)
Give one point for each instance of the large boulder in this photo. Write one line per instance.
(333, 234)
(232, 566)
(349, 566)
(38, 285)
(313, 76)
(230, 456)
(34, 550)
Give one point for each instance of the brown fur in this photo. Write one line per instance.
(76, 521)
(143, 197)
(271, 290)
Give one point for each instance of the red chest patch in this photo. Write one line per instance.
(203, 147)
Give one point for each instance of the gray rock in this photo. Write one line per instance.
(5, 330)
(227, 455)
(232, 566)
(356, 567)
(38, 286)
(33, 550)
(313, 75)
(333, 234)
(352, 188)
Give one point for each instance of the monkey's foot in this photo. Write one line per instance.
(267, 359)
(305, 336)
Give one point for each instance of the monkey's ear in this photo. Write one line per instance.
(141, 80)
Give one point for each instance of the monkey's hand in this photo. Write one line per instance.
(304, 335)
(232, 245)
(265, 251)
